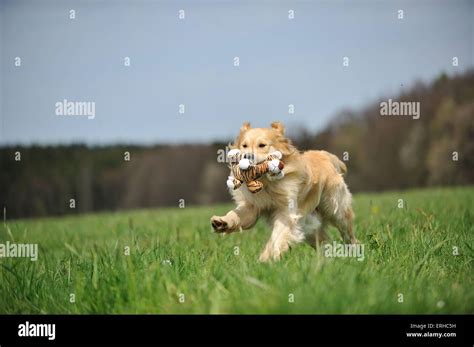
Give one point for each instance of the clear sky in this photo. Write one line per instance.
(191, 62)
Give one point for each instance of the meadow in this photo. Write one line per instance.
(418, 259)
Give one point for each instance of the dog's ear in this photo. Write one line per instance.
(283, 144)
(245, 127)
(278, 127)
(236, 144)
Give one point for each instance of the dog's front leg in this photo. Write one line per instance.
(243, 216)
(285, 233)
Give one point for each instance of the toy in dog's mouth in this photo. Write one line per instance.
(250, 158)
(255, 159)
(244, 170)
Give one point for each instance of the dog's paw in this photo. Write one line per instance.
(220, 225)
(273, 252)
(268, 257)
(264, 257)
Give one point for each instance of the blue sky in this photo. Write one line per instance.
(190, 62)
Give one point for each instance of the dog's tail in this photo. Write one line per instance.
(338, 164)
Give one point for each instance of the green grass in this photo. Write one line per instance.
(408, 251)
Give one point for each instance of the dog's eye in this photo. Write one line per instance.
(261, 145)
(245, 146)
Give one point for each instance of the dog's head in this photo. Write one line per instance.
(257, 143)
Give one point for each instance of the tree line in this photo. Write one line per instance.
(382, 153)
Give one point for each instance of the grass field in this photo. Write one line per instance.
(408, 251)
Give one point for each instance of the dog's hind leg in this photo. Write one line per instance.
(314, 229)
(342, 214)
(343, 222)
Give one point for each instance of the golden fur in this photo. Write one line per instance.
(300, 206)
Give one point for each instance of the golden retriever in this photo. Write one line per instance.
(311, 196)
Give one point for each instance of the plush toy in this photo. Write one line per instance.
(242, 170)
